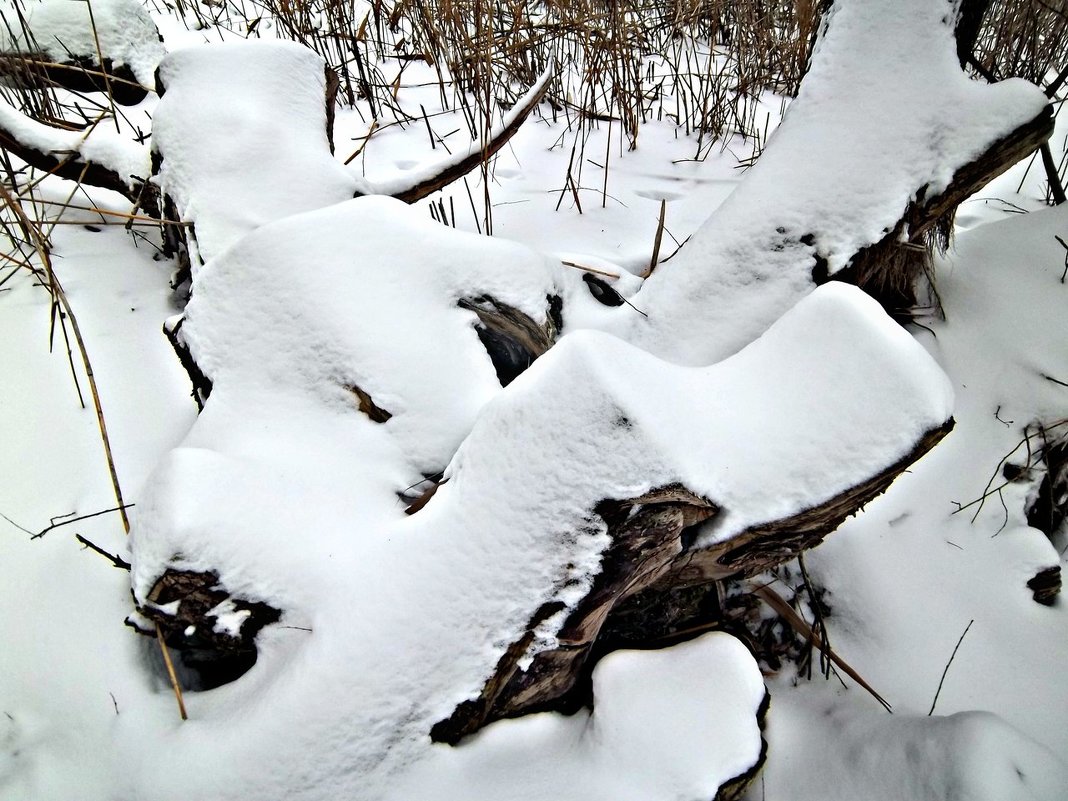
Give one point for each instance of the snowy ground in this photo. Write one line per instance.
(904, 579)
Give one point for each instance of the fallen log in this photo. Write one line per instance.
(833, 196)
(601, 473)
(112, 46)
(651, 554)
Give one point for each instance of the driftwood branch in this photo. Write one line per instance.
(455, 170)
(38, 71)
(70, 164)
(888, 269)
(651, 552)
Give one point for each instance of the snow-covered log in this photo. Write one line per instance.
(755, 407)
(97, 156)
(108, 46)
(594, 473)
(886, 135)
(231, 157)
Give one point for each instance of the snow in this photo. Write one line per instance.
(851, 754)
(1003, 333)
(629, 747)
(329, 321)
(100, 144)
(290, 492)
(285, 514)
(884, 109)
(63, 29)
(242, 128)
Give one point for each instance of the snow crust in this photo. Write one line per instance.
(244, 138)
(63, 29)
(883, 110)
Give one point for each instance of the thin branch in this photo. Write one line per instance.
(170, 673)
(44, 531)
(16, 525)
(944, 672)
(122, 564)
(776, 602)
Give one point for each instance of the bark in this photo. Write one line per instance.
(652, 553)
(38, 72)
(889, 269)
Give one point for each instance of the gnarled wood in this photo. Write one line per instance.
(652, 551)
(71, 164)
(888, 270)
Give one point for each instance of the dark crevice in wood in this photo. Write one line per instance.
(1046, 585)
(216, 654)
(511, 338)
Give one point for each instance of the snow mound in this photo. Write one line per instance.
(289, 492)
(669, 725)
(244, 139)
(968, 755)
(364, 294)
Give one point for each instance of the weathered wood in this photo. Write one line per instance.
(889, 269)
(213, 631)
(511, 338)
(38, 72)
(71, 165)
(775, 542)
(647, 536)
(652, 551)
